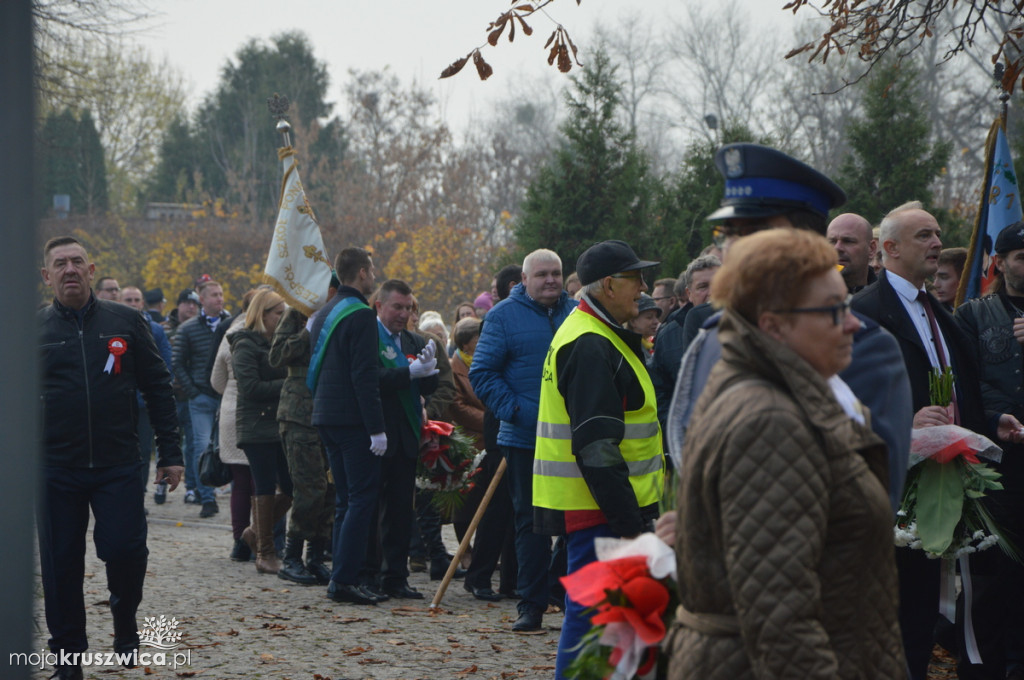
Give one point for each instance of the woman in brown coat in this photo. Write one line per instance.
(784, 535)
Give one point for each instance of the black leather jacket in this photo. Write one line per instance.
(988, 324)
(90, 414)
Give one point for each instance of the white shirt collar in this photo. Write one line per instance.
(904, 288)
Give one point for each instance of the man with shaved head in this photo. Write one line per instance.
(850, 234)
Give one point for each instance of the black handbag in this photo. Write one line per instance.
(212, 470)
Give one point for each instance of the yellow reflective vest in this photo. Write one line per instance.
(557, 481)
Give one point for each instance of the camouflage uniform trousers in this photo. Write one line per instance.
(312, 514)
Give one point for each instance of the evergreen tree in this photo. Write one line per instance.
(598, 185)
(175, 174)
(892, 160)
(70, 161)
(231, 145)
(235, 132)
(693, 193)
(92, 171)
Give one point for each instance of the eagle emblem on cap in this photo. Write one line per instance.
(733, 163)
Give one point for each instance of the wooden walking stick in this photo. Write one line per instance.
(484, 502)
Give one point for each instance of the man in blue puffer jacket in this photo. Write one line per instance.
(505, 374)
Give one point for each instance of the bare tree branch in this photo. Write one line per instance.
(877, 29)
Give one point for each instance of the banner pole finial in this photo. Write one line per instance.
(278, 106)
(998, 71)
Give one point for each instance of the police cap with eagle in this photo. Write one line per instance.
(761, 182)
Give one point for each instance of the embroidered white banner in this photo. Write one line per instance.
(297, 265)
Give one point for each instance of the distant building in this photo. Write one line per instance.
(171, 211)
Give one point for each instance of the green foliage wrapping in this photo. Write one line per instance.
(667, 501)
(891, 160)
(940, 500)
(449, 489)
(591, 662)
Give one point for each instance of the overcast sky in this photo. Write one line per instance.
(415, 39)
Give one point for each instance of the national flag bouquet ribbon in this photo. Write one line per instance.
(447, 463)
(297, 265)
(629, 588)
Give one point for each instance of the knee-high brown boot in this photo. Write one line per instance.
(263, 518)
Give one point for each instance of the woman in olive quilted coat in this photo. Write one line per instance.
(259, 391)
(784, 535)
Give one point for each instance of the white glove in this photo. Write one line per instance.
(428, 352)
(425, 364)
(378, 443)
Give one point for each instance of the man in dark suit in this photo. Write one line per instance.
(408, 372)
(347, 413)
(929, 339)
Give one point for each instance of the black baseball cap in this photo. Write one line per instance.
(1010, 238)
(607, 258)
(188, 295)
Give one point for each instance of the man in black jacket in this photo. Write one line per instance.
(994, 325)
(929, 339)
(346, 411)
(95, 354)
(191, 353)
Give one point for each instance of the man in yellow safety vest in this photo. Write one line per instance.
(598, 469)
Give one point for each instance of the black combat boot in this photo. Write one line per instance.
(292, 568)
(316, 555)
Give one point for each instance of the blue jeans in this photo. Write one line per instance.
(185, 426)
(120, 538)
(580, 546)
(356, 474)
(202, 410)
(533, 551)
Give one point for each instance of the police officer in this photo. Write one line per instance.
(765, 188)
(598, 468)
